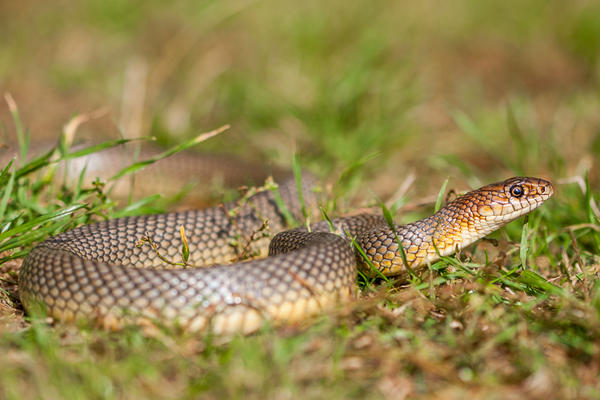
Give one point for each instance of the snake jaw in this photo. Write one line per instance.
(506, 201)
(525, 194)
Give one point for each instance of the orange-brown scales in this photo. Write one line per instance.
(454, 227)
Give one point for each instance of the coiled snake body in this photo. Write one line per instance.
(96, 272)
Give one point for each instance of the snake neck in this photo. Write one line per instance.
(445, 232)
(452, 228)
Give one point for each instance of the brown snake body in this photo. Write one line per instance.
(96, 272)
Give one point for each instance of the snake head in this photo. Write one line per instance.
(512, 198)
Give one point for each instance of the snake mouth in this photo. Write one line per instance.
(545, 189)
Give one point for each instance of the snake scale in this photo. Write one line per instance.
(97, 273)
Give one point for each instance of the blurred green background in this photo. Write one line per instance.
(469, 89)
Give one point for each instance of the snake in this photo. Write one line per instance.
(102, 273)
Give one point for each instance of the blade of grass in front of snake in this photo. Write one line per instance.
(524, 243)
(137, 207)
(367, 260)
(175, 149)
(357, 247)
(438, 205)
(271, 185)
(390, 222)
(329, 222)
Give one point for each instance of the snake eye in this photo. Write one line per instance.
(517, 190)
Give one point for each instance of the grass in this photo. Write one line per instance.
(366, 94)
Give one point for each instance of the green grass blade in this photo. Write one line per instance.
(22, 135)
(524, 243)
(298, 177)
(138, 207)
(539, 283)
(440, 197)
(40, 220)
(99, 147)
(281, 206)
(364, 256)
(326, 217)
(175, 149)
(8, 189)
